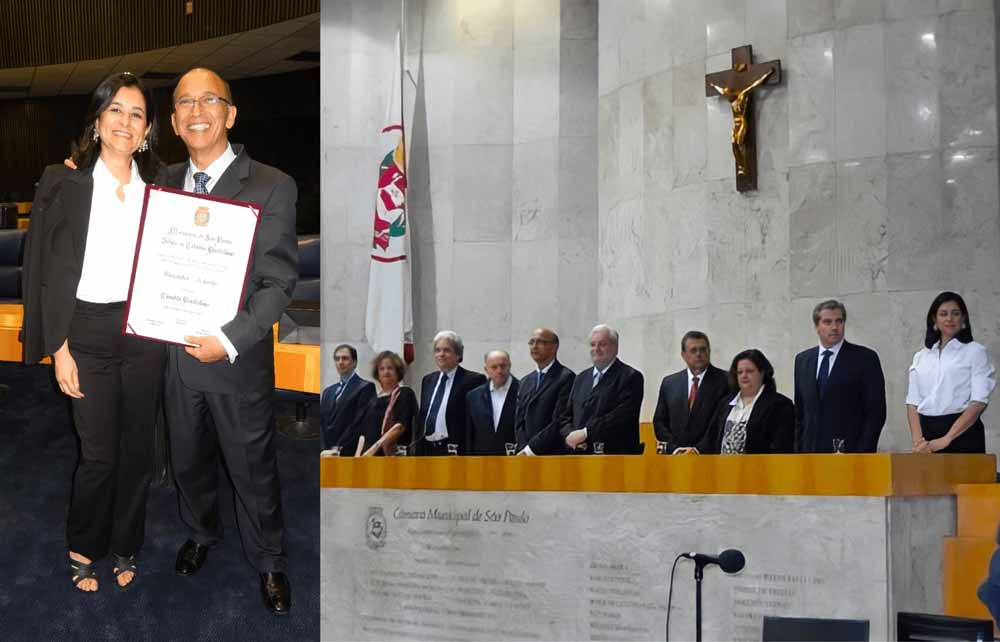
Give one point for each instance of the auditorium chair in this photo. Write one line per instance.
(11, 257)
(808, 629)
(305, 296)
(8, 216)
(925, 626)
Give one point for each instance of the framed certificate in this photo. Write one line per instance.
(192, 259)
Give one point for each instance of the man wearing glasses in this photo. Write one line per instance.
(218, 395)
(541, 395)
(688, 398)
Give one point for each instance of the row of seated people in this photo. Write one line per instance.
(839, 403)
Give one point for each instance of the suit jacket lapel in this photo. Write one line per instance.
(230, 184)
(681, 392)
(76, 196)
(546, 382)
(839, 364)
(812, 358)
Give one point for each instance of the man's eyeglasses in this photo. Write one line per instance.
(532, 342)
(206, 101)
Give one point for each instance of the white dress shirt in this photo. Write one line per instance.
(440, 423)
(111, 235)
(498, 396)
(835, 349)
(215, 170)
(945, 382)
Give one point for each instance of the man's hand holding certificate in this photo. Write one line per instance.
(191, 265)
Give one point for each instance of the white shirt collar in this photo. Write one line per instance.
(504, 388)
(835, 348)
(606, 368)
(102, 175)
(450, 373)
(738, 399)
(345, 379)
(952, 344)
(216, 169)
(546, 369)
(700, 375)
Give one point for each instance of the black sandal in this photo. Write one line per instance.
(124, 565)
(83, 571)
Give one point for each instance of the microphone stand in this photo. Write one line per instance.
(699, 569)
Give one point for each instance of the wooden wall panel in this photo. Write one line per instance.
(49, 32)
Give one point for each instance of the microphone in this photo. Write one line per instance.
(729, 560)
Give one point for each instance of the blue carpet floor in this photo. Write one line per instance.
(37, 601)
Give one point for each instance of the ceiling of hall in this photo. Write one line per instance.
(278, 48)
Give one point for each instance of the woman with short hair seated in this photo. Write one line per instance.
(758, 420)
(951, 379)
(387, 419)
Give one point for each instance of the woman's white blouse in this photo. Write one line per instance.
(111, 236)
(944, 382)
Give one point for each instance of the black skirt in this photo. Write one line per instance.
(972, 440)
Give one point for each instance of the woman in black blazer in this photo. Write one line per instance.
(758, 420)
(78, 263)
(394, 406)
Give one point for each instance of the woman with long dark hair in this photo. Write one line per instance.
(951, 379)
(757, 420)
(78, 264)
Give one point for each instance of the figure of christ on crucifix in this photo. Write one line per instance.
(736, 85)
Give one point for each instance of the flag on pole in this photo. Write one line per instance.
(389, 318)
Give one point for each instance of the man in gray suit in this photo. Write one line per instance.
(219, 394)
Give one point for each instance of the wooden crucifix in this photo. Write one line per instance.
(736, 85)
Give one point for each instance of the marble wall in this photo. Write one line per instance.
(402, 565)
(503, 167)
(878, 179)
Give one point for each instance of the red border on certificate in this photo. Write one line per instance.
(254, 209)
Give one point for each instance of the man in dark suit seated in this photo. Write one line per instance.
(441, 421)
(490, 409)
(688, 398)
(541, 396)
(839, 389)
(602, 412)
(342, 402)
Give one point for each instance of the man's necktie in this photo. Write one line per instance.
(824, 373)
(541, 377)
(201, 182)
(597, 377)
(432, 414)
(693, 394)
(341, 387)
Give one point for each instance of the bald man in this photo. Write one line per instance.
(219, 394)
(541, 396)
(490, 409)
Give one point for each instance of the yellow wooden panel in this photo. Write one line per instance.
(965, 565)
(23, 222)
(861, 475)
(978, 510)
(10, 347)
(23, 207)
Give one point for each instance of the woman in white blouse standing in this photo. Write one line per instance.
(78, 264)
(951, 379)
